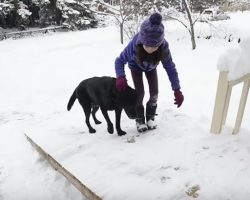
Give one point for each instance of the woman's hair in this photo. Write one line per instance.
(154, 58)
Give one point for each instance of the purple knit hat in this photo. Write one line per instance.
(152, 31)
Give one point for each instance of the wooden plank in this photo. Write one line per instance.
(34, 30)
(19, 33)
(228, 97)
(220, 103)
(243, 100)
(242, 79)
(70, 177)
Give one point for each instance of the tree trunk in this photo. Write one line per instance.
(2, 20)
(15, 13)
(53, 3)
(193, 37)
(15, 2)
(121, 31)
(191, 31)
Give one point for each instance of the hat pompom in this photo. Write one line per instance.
(155, 19)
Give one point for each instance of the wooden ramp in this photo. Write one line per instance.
(70, 177)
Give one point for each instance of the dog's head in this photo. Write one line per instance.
(127, 100)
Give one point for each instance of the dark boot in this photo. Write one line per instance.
(140, 119)
(150, 116)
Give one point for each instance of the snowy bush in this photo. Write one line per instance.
(49, 14)
(76, 15)
(5, 9)
(14, 14)
(23, 15)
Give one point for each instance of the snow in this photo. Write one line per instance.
(236, 61)
(180, 158)
(24, 12)
(70, 1)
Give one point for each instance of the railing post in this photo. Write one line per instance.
(243, 100)
(221, 103)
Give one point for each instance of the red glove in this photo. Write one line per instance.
(121, 83)
(179, 98)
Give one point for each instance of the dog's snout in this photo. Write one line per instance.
(132, 117)
(131, 113)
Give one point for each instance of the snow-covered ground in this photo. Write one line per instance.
(37, 77)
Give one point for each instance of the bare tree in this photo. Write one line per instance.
(121, 14)
(191, 24)
(137, 9)
(187, 22)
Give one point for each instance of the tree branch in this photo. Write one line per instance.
(179, 21)
(107, 5)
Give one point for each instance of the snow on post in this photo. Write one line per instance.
(236, 61)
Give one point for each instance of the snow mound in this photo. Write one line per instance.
(236, 60)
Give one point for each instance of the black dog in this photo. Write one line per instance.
(101, 92)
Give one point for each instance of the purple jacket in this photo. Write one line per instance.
(128, 56)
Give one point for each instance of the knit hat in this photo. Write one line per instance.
(152, 31)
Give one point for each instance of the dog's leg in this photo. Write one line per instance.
(106, 116)
(94, 110)
(118, 112)
(87, 111)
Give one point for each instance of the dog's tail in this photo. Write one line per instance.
(71, 100)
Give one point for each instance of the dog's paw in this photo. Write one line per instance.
(111, 129)
(121, 133)
(98, 122)
(92, 130)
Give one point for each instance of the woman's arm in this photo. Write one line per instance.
(169, 66)
(126, 55)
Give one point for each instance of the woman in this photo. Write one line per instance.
(143, 54)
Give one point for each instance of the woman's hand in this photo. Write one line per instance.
(179, 98)
(121, 83)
